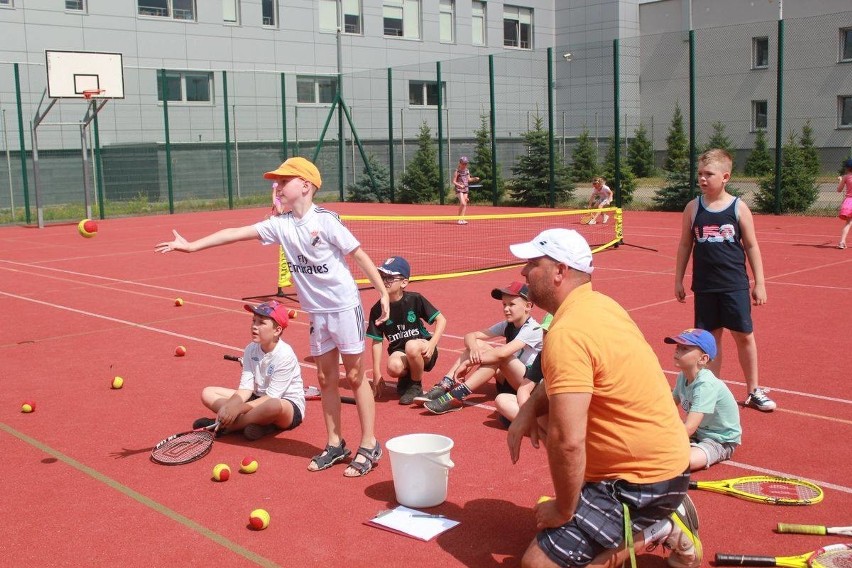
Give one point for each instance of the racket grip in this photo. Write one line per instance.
(800, 529)
(229, 357)
(743, 560)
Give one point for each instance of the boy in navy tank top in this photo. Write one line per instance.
(718, 231)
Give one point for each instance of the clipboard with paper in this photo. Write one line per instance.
(412, 523)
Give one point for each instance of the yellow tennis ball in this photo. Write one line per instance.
(248, 465)
(87, 228)
(259, 519)
(117, 383)
(28, 406)
(221, 472)
(178, 302)
(543, 498)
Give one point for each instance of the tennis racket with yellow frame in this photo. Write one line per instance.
(831, 556)
(765, 489)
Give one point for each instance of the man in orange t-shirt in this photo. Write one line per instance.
(613, 436)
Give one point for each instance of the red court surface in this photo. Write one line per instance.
(79, 488)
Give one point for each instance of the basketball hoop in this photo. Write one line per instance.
(89, 93)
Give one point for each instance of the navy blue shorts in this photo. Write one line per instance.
(729, 310)
(297, 414)
(598, 523)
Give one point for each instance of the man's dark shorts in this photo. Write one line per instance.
(729, 310)
(598, 523)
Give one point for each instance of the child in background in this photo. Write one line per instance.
(412, 351)
(601, 197)
(461, 181)
(717, 229)
(316, 243)
(481, 361)
(712, 415)
(845, 182)
(270, 397)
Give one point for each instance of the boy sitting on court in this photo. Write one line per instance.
(712, 414)
(411, 349)
(481, 360)
(270, 397)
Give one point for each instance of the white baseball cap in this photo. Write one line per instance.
(562, 245)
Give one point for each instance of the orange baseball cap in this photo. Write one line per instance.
(297, 167)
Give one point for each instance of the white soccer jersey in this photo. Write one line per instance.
(316, 247)
(276, 374)
(530, 333)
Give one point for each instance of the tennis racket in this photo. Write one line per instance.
(185, 447)
(311, 392)
(812, 529)
(765, 489)
(831, 556)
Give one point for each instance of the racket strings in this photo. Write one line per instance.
(781, 490)
(183, 449)
(832, 559)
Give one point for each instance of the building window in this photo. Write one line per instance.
(759, 53)
(270, 13)
(477, 24)
(75, 5)
(6, 4)
(315, 90)
(517, 27)
(173, 9)
(844, 110)
(425, 94)
(186, 86)
(846, 44)
(447, 19)
(231, 11)
(401, 18)
(330, 12)
(759, 110)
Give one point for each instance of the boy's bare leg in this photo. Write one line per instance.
(414, 359)
(747, 353)
(364, 401)
(214, 397)
(715, 366)
(328, 376)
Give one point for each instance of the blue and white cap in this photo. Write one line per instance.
(700, 338)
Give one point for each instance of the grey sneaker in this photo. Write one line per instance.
(444, 404)
(758, 399)
(683, 541)
(414, 389)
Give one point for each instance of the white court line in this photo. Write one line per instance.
(754, 468)
(785, 391)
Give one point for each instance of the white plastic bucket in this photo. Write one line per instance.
(420, 464)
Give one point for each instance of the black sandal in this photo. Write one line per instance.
(371, 460)
(330, 456)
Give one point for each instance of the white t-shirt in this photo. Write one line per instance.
(530, 333)
(316, 247)
(276, 374)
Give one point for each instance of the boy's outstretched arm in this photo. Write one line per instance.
(363, 260)
(684, 249)
(223, 237)
(752, 250)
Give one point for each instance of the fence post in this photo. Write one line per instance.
(493, 127)
(440, 135)
(779, 115)
(99, 169)
(616, 125)
(283, 118)
(23, 148)
(227, 141)
(168, 141)
(551, 179)
(692, 127)
(390, 132)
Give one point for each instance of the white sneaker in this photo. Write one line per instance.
(758, 399)
(592, 222)
(462, 222)
(683, 541)
(605, 218)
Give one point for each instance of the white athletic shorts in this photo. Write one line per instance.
(343, 330)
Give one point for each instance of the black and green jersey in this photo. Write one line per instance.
(406, 321)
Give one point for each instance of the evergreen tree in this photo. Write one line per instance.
(798, 186)
(677, 192)
(363, 191)
(531, 185)
(810, 156)
(640, 154)
(422, 178)
(585, 158)
(719, 139)
(677, 146)
(628, 180)
(481, 166)
(759, 162)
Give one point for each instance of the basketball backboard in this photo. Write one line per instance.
(71, 74)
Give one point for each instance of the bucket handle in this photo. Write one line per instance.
(448, 463)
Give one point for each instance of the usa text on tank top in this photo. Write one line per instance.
(718, 257)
